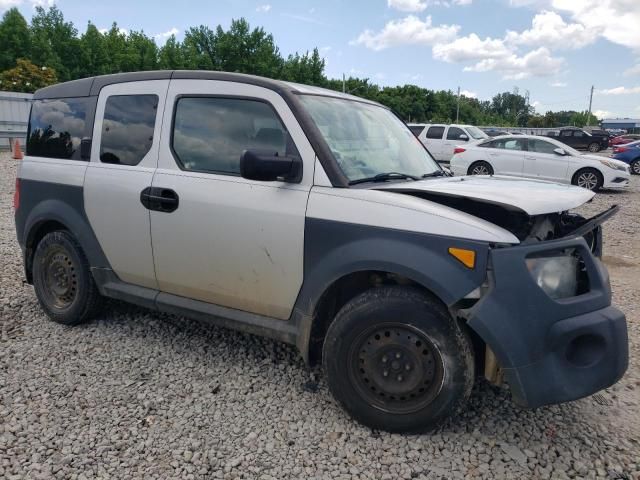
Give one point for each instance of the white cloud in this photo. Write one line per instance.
(538, 63)
(615, 20)
(559, 84)
(408, 5)
(620, 91)
(548, 29)
(603, 114)
(468, 94)
(164, 36)
(469, 48)
(7, 4)
(635, 70)
(407, 31)
(263, 8)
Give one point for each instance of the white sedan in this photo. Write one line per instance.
(540, 158)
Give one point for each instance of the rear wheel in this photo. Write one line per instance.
(397, 361)
(588, 178)
(635, 167)
(594, 147)
(62, 280)
(480, 168)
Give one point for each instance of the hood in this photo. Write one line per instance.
(532, 197)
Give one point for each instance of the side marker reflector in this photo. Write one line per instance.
(466, 257)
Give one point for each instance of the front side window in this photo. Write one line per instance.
(127, 129)
(435, 132)
(578, 133)
(565, 133)
(540, 146)
(211, 133)
(56, 127)
(368, 140)
(454, 133)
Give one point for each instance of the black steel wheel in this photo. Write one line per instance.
(62, 279)
(396, 367)
(397, 361)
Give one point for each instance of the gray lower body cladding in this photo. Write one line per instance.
(551, 351)
(45, 202)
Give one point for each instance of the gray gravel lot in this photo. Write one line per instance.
(135, 394)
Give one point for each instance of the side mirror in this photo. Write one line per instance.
(85, 148)
(463, 137)
(268, 166)
(559, 151)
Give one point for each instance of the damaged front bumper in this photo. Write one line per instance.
(551, 351)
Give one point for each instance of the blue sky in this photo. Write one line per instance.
(555, 49)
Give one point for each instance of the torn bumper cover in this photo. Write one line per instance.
(551, 350)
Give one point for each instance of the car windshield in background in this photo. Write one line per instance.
(368, 140)
(476, 133)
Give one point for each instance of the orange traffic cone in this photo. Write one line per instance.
(17, 151)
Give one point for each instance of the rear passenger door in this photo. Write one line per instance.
(434, 141)
(124, 156)
(506, 156)
(230, 241)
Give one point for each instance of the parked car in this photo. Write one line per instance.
(315, 218)
(494, 133)
(629, 154)
(622, 139)
(540, 158)
(441, 139)
(579, 139)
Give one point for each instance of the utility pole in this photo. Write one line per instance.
(590, 102)
(344, 86)
(458, 106)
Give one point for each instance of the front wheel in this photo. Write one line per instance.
(397, 361)
(594, 147)
(635, 167)
(588, 178)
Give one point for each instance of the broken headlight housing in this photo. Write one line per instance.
(557, 275)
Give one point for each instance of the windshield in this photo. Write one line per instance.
(476, 133)
(368, 140)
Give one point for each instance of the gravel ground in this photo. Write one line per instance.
(135, 394)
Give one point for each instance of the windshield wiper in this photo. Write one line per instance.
(437, 173)
(383, 177)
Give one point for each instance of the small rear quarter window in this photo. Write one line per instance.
(57, 126)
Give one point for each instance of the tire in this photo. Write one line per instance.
(635, 167)
(480, 168)
(427, 357)
(594, 147)
(62, 279)
(588, 178)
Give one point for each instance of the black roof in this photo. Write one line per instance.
(86, 87)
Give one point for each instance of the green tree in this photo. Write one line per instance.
(172, 55)
(55, 43)
(95, 59)
(199, 48)
(15, 39)
(27, 77)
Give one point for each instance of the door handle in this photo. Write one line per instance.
(159, 199)
(529, 158)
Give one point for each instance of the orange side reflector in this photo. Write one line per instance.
(467, 257)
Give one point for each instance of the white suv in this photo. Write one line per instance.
(317, 219)
(441, 139)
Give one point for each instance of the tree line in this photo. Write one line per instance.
(50, 50)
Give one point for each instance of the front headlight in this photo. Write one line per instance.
(557, 276)
(615, 166)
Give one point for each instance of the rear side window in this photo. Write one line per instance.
(127, 129)
(566, 133)
(454, 133)
(57, 126)
(435, 132)
(211, 133)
